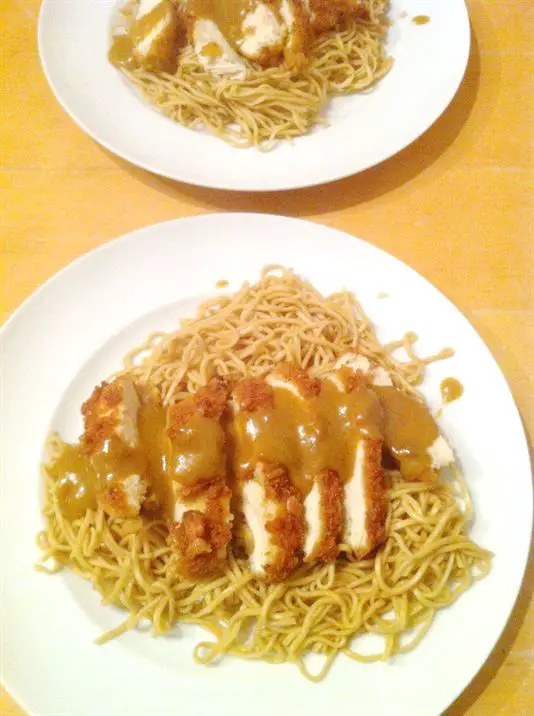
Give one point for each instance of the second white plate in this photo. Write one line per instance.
(365, 129)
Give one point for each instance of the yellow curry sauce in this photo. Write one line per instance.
(305, 436)
(81, 476)
(197, 451)
(451, 389)
(409, 430)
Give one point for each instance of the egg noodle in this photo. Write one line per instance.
(427, 561)
(273, 103)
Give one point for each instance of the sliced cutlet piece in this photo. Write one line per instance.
(214, 51)
(263, 34)
(323, 503)
(366, 500)
(324, 514)
(273, 512)
(298, 33)
(124, 498)
(328, 15)
(157, 33)
(411, 433)
(201, 529)
(365, 495)
(377, 374)
(111, 440)
(255, 30)
(270, 506)
(201, 535)
(412, 436)
(276, 31)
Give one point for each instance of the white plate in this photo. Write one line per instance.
(364, 130)
(72, 333)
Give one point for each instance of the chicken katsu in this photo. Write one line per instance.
(201, 524)
(287, 467)
(226, 33)
(221, 53)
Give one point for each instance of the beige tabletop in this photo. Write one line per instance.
(457, 206)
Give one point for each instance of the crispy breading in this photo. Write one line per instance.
(287, 526)
(190, 492)
(210, 402)
(327, 15)
(253, 393)
(100, 415)
(111, 410)
(201, 538)
(119, 499)
(375, 496)
(300, 37)
(332, 515)
(352, 380)
(307, 386)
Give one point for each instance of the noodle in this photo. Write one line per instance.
(274, 103)
(427, 562)
(279, 318)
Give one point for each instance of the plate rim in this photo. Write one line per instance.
(232, 216)
(228, 185)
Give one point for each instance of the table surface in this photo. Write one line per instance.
(465, 186)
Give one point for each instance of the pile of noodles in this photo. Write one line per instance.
(274, 103)
(426, 563)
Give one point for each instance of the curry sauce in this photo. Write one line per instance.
(81, 475)
(76, 481)
(305, 435)
(451, 389)
(197, 451)
(409, 431)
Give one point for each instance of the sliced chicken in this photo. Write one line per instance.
(366, 500)
(328, 15)
(157, 37)
(111, 442)
(226, 33)
(263, 34)
(215, 52)
(123, 498)
(412, 436)
(270, 506)
(152, 39)
(273, 514)
(201, 529)
(411, 433)
(323, 509)
(364, 490)
(111, 411)
(378, 375)
(324, 515)
(298, 33)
